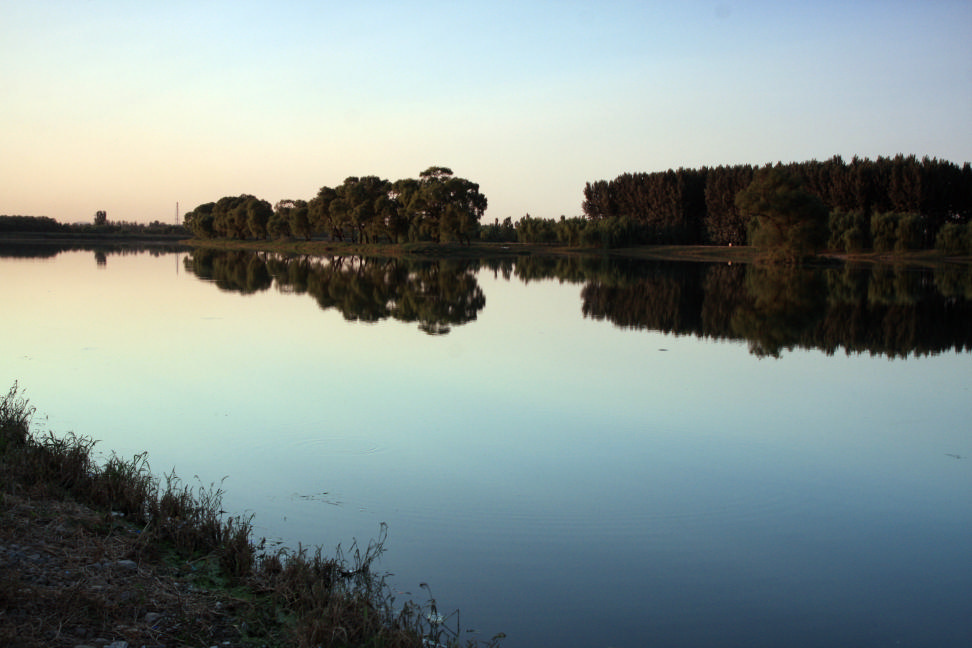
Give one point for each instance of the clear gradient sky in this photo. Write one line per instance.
(132, 106)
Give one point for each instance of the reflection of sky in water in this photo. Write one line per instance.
(537, 468)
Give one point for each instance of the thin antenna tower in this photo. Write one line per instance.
(176, 255)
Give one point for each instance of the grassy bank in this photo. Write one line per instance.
(108, 551)
(476, 250)
(418, 250)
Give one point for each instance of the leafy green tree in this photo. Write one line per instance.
(911, 232)
(723, 223)
(201, 221)
(370, 206)
(362, 204)
(339, 212)
(279, 226)
(536, 230)
(848, 230)
(955, 239)
(300, 221)
(884, 229)
(500, 233)
(446, 206)
(258, 213)
(227, 221)
(319, 209)
(790, 221)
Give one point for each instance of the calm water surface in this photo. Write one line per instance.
(555, 476)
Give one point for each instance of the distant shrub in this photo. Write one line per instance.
(884, 229)
(849, 230)
(955, 238)
(30, 224)
(498, 232)
(910, 233)
(536, 230)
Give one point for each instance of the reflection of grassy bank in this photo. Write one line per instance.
(919, 258)
(108, 551)
(477, 250)
(88, 238)
(484, 250)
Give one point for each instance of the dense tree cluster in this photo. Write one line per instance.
(698, 206)
(30, 224)
(435, 206)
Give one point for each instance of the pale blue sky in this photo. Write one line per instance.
(133, 106)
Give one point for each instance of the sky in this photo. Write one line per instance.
(132, 107)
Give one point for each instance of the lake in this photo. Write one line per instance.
(575, 452)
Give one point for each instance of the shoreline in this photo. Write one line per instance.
(480, 250)
(99, 555)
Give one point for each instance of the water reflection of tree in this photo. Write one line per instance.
(955, 282)
(661, 302)
(242, 272)
(101, 250)
(783, 305)
(888, 311)
(437, 295)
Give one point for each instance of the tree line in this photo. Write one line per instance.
(891, 203)
(99, 225)
(435, 206)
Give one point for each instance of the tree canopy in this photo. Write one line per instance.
(697, 206)
(791, 222)
(435, 206)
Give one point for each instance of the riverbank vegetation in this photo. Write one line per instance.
(105, 550)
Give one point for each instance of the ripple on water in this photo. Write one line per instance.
(320, 446)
